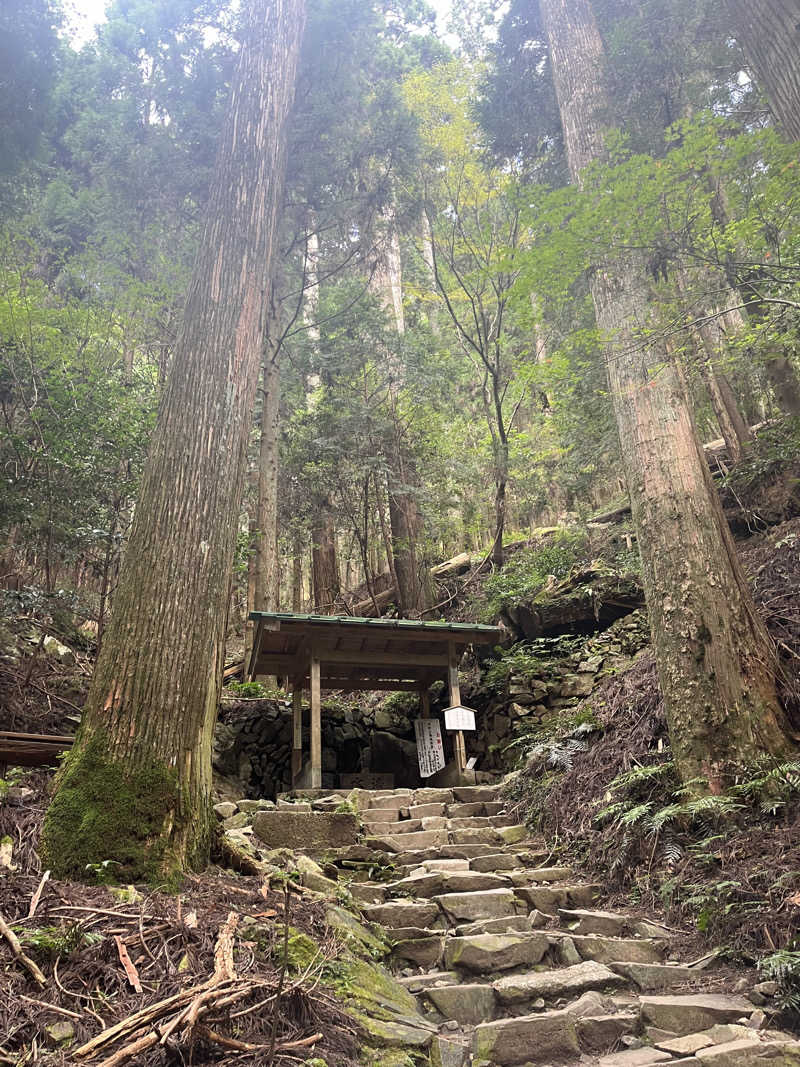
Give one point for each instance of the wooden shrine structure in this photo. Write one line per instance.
(342, 652)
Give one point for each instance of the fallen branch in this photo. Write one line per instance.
(37, 896)
(130, 970)
(16, 948)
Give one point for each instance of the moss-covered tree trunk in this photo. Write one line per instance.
(716, 664)
(135, 789)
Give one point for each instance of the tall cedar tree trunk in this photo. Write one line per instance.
(135, 790)
(716, 664)
(414, 587)
(325, 584)
(769, 33)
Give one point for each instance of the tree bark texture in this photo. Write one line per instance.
(136, 786)
(267, 585)
(414, 591)
(769, 33)
(324, 560)
(715, 661)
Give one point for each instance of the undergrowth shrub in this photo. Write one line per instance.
(526, 572)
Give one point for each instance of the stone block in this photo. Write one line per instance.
(634, 1057)
(750, 1052)
(600, 1033)
(471, 794)
(425, 952)
(565, 982)
(402, 913)
(692, 1012)
(469, 1004)
(652, 977)
(468, 907)
(426, 811)
(422, 839)
(317, 830)
(511, 835)
(487, 953)
(550, 1037)
(487, 836)
(506, 924)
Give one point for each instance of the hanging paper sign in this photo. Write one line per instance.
(459, 718)
(430, 751)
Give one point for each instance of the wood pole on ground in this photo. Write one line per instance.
(316, 724)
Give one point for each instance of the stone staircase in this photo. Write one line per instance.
(511, 962)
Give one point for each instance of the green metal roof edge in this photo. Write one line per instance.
(398, 624)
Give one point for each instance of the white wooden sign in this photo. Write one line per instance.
(430, 751)
(459, 718)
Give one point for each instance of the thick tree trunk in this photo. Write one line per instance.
(135, 789)
(324, 562)
(769, 33)
(715, 662)
(414, 591)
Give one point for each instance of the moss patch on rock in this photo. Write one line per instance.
(106, 821)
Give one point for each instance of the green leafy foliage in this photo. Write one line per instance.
(527, 571)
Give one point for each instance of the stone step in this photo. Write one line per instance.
(370, 815)
(506, 924)
(652, 977)
(367, 892)
(370, 799)
(423, 951)
(413, 857)
(418, 982)
(691, 1012)
(488, 835)
(425, 811)
(550, 898)
(506, 861)
(609, 923)
(467, 1003)
(434, 883)
(528, 875)
(399, 826)
(489, 953)
(422, 839)
(470, 822)
(402, 913)
(570, 948)
(565, 982)
(471, 794)
(483, 904)
(463, 811)
(551, 1037)
(443, 865)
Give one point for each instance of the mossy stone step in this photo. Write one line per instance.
(655, 977)
(505, 924)
(418, 982)
(610, 923)
(422, 839)
(506, 861)
(692, 1012)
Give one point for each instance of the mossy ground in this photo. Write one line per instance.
(106, 820)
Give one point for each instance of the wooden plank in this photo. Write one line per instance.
(380, 659)
(297, 733)
(455, 699)
(316, 724)
(251, 666)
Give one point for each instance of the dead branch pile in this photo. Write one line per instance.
(153, 979)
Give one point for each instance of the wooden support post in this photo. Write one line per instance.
(455, 701)
(297, 741)
(316, 724)
(425, 703)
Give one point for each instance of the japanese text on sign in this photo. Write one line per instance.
(430, 751)
(459, 718)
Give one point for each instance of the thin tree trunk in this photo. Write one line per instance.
(267, 587)
(769, 33)
(715, 661)
(136, 787)
(324, 563)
